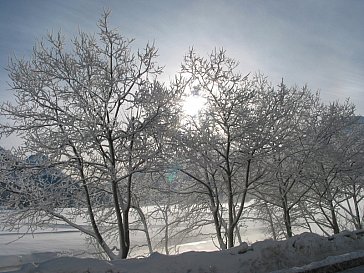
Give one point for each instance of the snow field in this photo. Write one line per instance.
(259, 257)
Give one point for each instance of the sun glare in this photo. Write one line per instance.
(193, 104)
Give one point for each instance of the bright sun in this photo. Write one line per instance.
(193, 104)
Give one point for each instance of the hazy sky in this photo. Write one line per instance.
(317, 42)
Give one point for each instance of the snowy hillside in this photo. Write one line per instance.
(264, 256)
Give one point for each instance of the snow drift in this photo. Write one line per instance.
(263, 256)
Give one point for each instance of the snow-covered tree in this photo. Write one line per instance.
(285, 184)
(225, 145)
(95, 109)
(336, 167)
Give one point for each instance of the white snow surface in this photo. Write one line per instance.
(262, 256)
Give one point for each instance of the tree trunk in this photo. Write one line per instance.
(145, 227)
(166, 230)
(217, 223)
(271, 222)
(100, 240)
(357, 220)
(334, 223)
(286, 212)
(123, 252)
(231, 226)
(287, 221)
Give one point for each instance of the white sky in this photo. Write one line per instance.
(318, 42)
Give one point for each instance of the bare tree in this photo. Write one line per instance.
(286, 184)
(94, 108)
(335, 167)
(352, 175)
(226, 143)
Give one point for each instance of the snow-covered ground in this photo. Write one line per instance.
(61, 240)
(60, 248)
(265, 256)
(262, 256)
(38, 247)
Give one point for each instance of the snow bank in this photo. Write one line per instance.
(330, 264)
(264, 256)
(13, 261)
